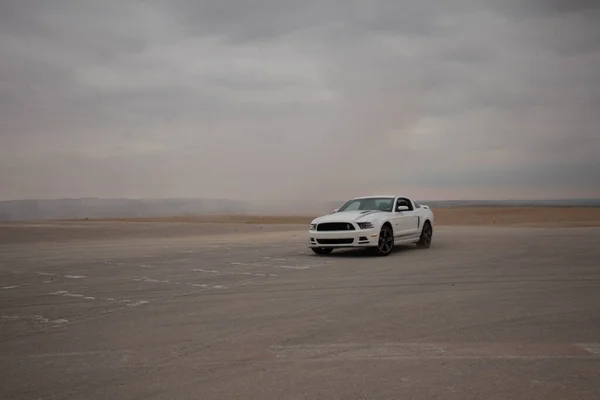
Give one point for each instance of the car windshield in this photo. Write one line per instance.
(369, 203)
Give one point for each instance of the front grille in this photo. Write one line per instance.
(335, 241)
(335, 226)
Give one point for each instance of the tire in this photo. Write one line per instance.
(321, 250)
(426, 236)
(385, 244)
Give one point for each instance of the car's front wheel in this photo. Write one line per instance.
(321, 250)
(385, 244)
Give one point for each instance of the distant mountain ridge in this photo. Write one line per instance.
(49, 209)
(516, 203)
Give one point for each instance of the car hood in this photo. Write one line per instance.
(351, 216)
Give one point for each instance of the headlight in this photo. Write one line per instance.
(365, 225)
(313, 227)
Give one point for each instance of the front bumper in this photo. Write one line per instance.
(357, 238)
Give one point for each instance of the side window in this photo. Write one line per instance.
(405, 202)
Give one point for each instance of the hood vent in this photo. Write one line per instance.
(369, 212)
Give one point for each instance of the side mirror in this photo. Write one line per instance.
(402, 208)
(335, 210)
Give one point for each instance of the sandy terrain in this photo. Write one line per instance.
(519, 216)
(175, 227)
(500, 216)
(155, 311)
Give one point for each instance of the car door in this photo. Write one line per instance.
(408, 221)
(401, 222)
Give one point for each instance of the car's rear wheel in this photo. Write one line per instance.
(385, 244)
(426, 236)
(321, 250)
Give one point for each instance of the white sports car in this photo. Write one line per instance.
(376, 222)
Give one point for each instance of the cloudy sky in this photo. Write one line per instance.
(318, 99)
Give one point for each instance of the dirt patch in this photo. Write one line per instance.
(519, 216)
(234, 219)
(501, 216)
(61, 231)
(193, 226)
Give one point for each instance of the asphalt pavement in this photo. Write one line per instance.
(485, 313)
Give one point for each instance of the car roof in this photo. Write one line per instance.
(377, 196)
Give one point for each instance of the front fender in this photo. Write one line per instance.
(378, 223)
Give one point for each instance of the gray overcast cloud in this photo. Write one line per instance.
(281, 99)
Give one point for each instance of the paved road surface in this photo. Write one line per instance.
(483, 314)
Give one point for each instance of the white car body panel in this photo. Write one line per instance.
(406, 225)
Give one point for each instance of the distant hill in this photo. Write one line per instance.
(27, 210)
(515, 203)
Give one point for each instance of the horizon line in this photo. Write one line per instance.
(291, 200)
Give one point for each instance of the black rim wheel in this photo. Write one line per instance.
(386, 241)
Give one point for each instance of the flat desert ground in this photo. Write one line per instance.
(504, 305)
